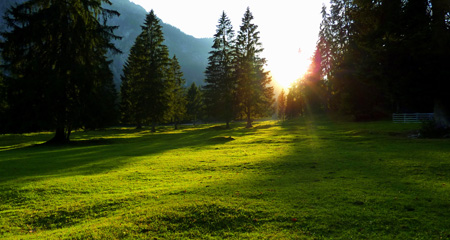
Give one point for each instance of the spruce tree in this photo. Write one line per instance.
(177, 92)
(255, 96)
(220, 84)
(55, 64)
(195, 104)
(145, 82)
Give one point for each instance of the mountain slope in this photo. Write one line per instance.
(191, 52)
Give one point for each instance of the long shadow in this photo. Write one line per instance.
(336, 182)
(340, 182)
(103, 152)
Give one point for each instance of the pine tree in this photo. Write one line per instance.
(220, 85)
(177, 92)
(255, 96)
(145, 82)
(195, 104)
(55, 63)
(324, 44)
(281, 105)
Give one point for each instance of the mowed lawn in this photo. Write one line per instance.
(303, 179)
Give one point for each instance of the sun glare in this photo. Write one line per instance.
(289, 36)
(286, 72)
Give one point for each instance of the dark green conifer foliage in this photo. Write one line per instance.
(145, 82)
(55, 65)
(195, 105)
(440, 51)
(177, 93)
(386, 56)
(127, 115)
(255, 96)
(220, 83)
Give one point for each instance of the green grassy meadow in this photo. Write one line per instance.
(303, 179)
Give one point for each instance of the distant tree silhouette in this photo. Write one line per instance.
(55, 65)
(294, 102)
(255, 96)
(281, 105)
(145, 81)
(195, 105)
(220, 83)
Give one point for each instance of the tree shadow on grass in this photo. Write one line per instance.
(96, 152)
(338, 183)
(334, 182)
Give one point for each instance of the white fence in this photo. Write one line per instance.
(412, 117)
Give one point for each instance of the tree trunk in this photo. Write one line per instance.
(138, 125)
(441, 114)
(60, 137)
(153, 127)
(249, 120)
(176, 125)
(228, 124)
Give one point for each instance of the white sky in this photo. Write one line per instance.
(285, 25)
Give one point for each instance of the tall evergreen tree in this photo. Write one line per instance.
(145, 82)
(324, 44)
(440, 51)
(220, 83)
(177, 93)
(381, 53)
(55, 63)
(195, 105)
(255, 96)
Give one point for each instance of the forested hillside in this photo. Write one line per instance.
(191, 52)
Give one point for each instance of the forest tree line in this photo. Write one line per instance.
(375, 58)
(236, 84)
(55, 74)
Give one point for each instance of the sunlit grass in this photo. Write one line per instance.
(294, 180)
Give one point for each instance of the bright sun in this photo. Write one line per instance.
(294, 67)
